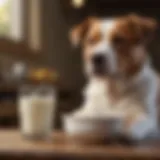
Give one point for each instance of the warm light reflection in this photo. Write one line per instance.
(78, 3)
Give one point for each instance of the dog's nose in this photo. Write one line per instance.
(99, 63)
(98, 59)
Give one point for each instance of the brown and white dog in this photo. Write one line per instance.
(118, 68)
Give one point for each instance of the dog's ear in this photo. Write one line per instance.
(79, 31)
(149, 26)
(145, 25)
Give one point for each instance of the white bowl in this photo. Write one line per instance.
(91, 128)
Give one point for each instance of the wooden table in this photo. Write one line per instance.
(14, 146)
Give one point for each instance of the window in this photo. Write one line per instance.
(5, 17)
(12, 19)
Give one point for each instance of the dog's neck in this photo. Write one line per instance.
(118, 88)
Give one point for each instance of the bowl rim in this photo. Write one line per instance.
(90, 118)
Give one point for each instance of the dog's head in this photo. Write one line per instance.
(116, 46)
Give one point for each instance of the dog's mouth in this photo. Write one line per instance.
(99, 71)
(103, 72)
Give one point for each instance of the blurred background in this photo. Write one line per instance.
(34, 33)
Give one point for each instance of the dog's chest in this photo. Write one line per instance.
(130, 98)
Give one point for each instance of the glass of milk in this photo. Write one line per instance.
(36, 111)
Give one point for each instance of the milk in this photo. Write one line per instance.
(36, 114)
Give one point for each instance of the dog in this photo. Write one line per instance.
(119, 71)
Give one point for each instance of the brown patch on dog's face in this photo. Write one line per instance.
(78, 32)
(87, 34)
(93, 37)
(129, 38)
(132, 30)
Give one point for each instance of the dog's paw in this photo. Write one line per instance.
(141, 129)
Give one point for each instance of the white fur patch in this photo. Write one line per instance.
(104, 46)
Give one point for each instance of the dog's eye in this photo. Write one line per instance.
(119, 40)
(91, 41)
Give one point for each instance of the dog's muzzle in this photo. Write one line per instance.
(99, 63)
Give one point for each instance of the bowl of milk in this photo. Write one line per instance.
(92, 128)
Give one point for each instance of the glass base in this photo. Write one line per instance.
(37, 137)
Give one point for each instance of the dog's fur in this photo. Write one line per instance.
(129, 83)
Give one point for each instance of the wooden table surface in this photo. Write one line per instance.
(12, 144)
